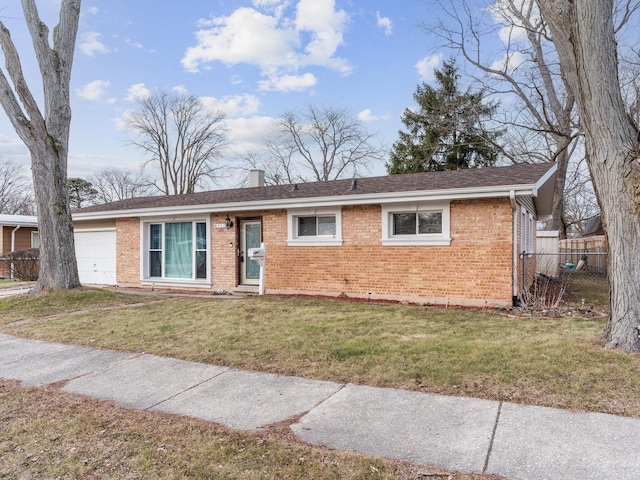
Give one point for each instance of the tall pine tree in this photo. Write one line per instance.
(446, 131)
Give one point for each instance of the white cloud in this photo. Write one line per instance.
(275, 6)
(248, 133)
(502, 13)
(93, 10)
(269, 3)
(287, 83)
(14, 150)
(94, 90)
(427, 65)
(367, 116)
(180, 90)
(120, 123)
(509, 62)
(246, 36)
(511, 33)
(233, 105)
(385, 23)
(137, 92)
(90, 44)
(134, 44)
(327, 26)
(248, 129)
(278, 44)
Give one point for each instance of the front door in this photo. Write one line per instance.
(250, 237)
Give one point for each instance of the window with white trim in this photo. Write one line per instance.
(532, 233)
(314, 227)
(176, 250)
(523, 230)
(425, 223)
(527, 231)
(317, 226)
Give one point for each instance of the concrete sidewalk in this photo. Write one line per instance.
(464, 434)
(20, 288)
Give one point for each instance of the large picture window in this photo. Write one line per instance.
(416, 224)
(177, 250)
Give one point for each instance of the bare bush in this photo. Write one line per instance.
(25, 264)
(544, 295)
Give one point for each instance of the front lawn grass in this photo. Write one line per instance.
(587, 290)
(557, 362)
(49, 434)
(11, 282)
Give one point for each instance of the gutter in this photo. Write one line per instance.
(334, 201)
(13, 247)
(514, 268)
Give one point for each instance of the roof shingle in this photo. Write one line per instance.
(522, 174)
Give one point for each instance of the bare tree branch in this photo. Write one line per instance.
(326, 143)
(16, 191)
(181, 138)
(113, 184)
(526, 71)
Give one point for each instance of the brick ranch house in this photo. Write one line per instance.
(17, 232)
(452, 237)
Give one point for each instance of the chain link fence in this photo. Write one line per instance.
(588, 255)
(557, 261)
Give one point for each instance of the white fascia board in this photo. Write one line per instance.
(545, 178)
(96, 229)
(367, 199)
(18, 221)
(19, 224)
(543, 192)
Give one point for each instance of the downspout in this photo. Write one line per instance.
(13, 247)
(514, 268)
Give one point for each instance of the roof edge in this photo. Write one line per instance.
(18, 220)
(365, 199)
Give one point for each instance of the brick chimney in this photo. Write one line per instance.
(256, 178)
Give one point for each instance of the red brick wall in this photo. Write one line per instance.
(223, 253)
(475, 269)
(128, 251)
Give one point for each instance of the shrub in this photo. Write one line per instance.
(25, 263)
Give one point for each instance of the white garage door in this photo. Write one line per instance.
(96, 255)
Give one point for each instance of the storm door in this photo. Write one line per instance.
(250, 237)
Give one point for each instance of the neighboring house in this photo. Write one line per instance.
(453, 237)
(17, 232)
(594, 227)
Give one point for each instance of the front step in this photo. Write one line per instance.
(247, 289)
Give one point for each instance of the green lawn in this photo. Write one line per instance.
(556, 362)
(9, 282)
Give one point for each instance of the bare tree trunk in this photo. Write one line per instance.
(583, 33)
(58, 268)
(46, 136)
(558, 207)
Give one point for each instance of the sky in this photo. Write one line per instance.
(252, 59)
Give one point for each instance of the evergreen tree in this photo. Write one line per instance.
(81, 192)
(446, 131)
